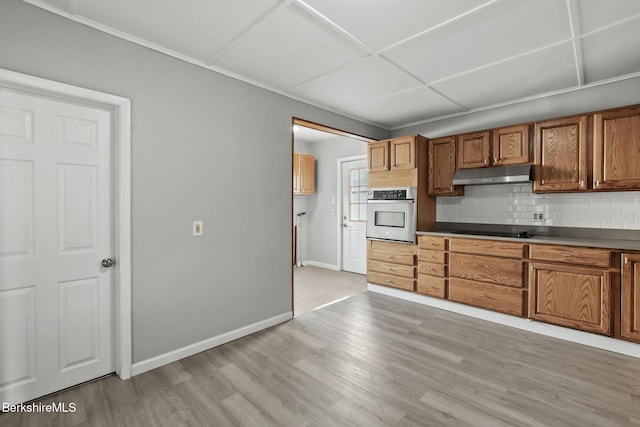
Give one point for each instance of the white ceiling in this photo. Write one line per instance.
(387, 62)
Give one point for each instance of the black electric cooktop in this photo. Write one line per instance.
(519, 234)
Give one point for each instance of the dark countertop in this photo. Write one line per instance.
(591, 237)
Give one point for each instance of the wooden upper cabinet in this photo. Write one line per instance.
(303, 173)
(403, 153)
(474, 150)
(296, 173)
(307, 174)
(510, 145)
(560, 151)
(616, 149)
(499, 147)
(378, 156)
(442, 165)
(630, 304)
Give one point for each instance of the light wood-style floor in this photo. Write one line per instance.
(315, 287)
(370, 360)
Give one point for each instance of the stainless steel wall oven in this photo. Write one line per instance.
(391, 214)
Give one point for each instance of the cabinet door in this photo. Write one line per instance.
(630, 304)
(510, 145)
(296, 173)
(378, 156)
(403, 153)
(442, 165)
(307, 174)
(574, 297)
(561, 155)
(616, 144)
(473, 150)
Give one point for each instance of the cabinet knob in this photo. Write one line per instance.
(486, 162)
(495, 160)
(626, 260)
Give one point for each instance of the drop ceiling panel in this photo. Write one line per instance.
(197, 28)
(594, 14)
(289, 48)
(380, 23)
(376, 59)
(496, 32)
(541, 72)
(361, 81)
(407, 107)
(612, 52)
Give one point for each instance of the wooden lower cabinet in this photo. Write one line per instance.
(391, 264)
(575, 297)
(432, 270)
(495, 282)
(504, 299)
(630, 302)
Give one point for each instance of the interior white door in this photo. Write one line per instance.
(354, 216)
(56, 225)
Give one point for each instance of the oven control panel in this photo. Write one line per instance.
(401, 193)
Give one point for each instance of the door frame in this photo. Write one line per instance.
(120, 108)
(323, 128)
(339, 195)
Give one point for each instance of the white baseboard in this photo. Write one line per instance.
(321, 265)
(181, 353)
(572, 335)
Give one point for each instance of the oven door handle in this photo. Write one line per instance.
(391, 201)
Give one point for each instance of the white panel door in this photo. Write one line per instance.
(56, 225)
(354, 216)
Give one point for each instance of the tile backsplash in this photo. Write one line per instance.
(517, 204)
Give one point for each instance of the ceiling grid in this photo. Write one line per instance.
(391, 64)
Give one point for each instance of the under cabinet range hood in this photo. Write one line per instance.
(494, 175)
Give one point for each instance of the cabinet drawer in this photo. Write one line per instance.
(493, 297)
(571, 254)
(391, 268)
(484, 247)
(431, 255)
(389, 280)
(431, 242)
(391, 257)
(431, 268)
(432, 286)
(501, 271)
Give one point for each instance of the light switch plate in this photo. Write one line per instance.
(197, 228)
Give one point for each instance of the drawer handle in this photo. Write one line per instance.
(483, 296)
(567, 255)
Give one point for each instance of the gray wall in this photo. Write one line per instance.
(301, 204)
(204, 146)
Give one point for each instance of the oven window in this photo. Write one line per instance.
(389, 219)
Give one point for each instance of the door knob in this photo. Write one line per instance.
(344, 225)
(107, 262)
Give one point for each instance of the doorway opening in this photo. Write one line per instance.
(324, 211)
